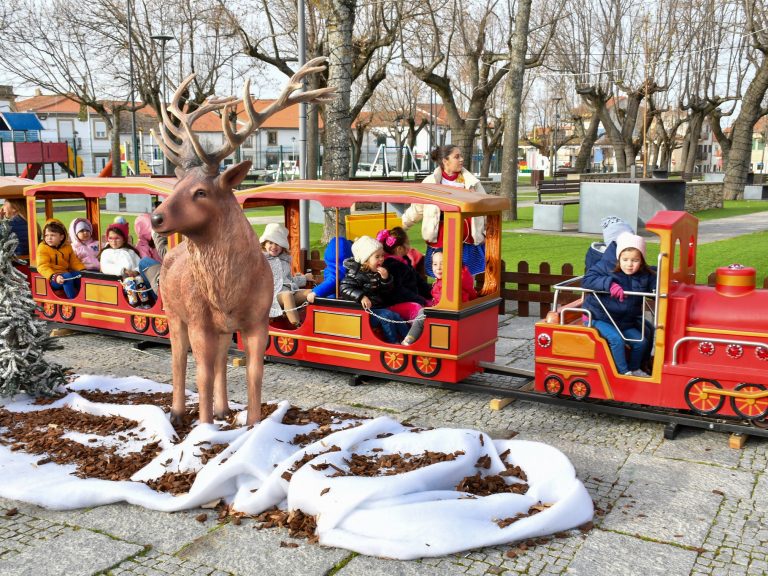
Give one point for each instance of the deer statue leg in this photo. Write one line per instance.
(179, 351)
(255, 342)
(220, 403)
(205, 347)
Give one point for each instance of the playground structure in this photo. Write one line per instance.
(20, 144)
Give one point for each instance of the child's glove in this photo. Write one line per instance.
(617, 292)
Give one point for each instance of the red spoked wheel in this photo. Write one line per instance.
(394, 361)
(49, 310)
(67, 312)
(701, 402)
(427, 366)
(553, 385)
(286, 345)
(160, 326)
(579, 389)
(750, 408)
(140, 323)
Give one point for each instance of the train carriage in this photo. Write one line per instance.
(101, 304)
(710, 347)
(457, 335)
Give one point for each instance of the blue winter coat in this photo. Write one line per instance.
(327, 288)
(19, 227)
(600, 276)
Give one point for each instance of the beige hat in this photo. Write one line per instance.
(277, 233)
(627, 240)
(363, 248)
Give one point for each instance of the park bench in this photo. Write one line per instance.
(559, 188)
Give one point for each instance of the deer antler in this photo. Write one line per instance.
(181, 157)
(284, 100)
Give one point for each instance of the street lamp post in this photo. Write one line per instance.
(163, 38)
(133, 96)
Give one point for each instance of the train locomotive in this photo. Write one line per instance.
(710, 350)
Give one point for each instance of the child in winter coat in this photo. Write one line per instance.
(368, 283)
(57, 261)
(83, 243)
(327, 288)
(629, 274)
(289, 292)
(411, 292)
(119, 258)
(468, 291)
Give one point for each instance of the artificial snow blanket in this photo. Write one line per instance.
(372, 485)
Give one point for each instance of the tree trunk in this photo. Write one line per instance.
(513, 96)
(741, 140)
(114, 120)
(337, 114)
(587, 143)
(694, 131)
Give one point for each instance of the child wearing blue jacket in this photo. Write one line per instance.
(327, 288)
(629, 274)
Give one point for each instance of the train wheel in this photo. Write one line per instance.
(49, 310)
(160, 326)
(427, 366)
(751, 409)
(67, 312)
(579, 389)
(394, 361)
(702, 402)
(286, 345)
(140, 323)
(553, 385)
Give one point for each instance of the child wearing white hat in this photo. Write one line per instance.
(368, 282)
(619, 317)
(289, 292)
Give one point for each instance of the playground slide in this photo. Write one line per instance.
(130, 169)
(69, 166)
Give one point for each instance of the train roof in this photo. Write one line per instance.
(13, 187)
(342, 194)
(99, 187)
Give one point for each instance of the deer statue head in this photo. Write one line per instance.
(217, 280)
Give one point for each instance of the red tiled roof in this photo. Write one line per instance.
(211, 122)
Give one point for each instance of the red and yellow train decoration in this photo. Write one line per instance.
(710, 350)
(710, 346)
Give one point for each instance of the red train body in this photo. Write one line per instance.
(710, 343)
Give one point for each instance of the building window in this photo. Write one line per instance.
(272, 138)
(249, 142)
(99, 130)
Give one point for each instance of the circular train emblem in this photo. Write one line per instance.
(706, 348)
(544, 340)
(734, 351)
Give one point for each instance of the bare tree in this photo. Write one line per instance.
(51, 45)
(754, 103)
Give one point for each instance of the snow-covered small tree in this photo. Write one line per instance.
(23, 336)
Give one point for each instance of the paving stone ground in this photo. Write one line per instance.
(687, 506)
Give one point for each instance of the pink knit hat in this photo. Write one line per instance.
(627, 240)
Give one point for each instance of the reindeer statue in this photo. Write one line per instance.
(217, 280)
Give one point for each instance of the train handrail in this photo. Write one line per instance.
(579, 289)
(713, 340)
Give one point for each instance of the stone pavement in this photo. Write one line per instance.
(688, 506)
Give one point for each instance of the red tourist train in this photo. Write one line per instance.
(710, 345)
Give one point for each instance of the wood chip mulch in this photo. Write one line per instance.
(391, 464)
(299, 525)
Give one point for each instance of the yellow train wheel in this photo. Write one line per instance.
(750, 408)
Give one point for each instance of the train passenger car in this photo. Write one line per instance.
(711, 342)
(101, 303)
(457, 335)
(12, 188)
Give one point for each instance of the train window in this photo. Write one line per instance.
(691, 252)
(677, 257)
